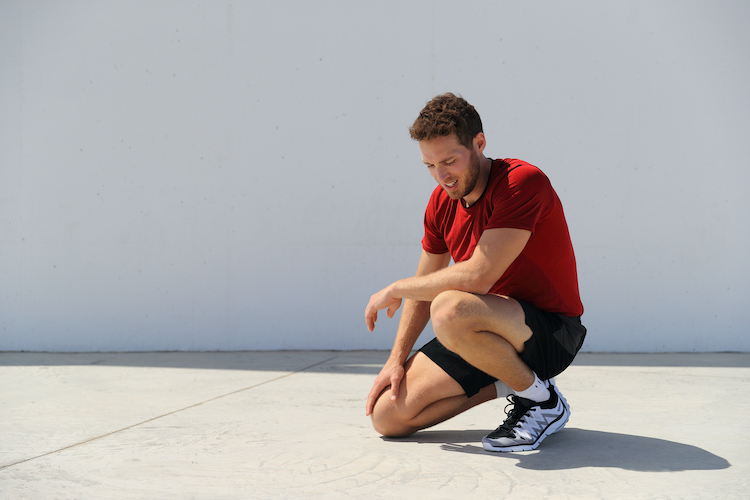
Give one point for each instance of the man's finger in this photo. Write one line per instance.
(395, 383)
(393, 308)
(373, 396)
(370, 401)
(370, 319)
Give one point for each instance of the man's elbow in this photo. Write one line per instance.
(485, 290)
(480, 278)
(480, 286)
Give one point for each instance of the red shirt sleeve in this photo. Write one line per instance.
(433, 240)
(528, 196)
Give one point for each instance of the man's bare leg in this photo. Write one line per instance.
(478, 328)
(488, 331)
(427, 397)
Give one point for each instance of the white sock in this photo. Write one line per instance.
(502, 389)
(537, 392)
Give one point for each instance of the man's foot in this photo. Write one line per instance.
(528, 423)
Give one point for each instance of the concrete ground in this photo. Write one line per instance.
(291, 425)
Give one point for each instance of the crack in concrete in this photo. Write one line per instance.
(96, 438)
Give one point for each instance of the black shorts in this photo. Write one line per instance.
(555, 341)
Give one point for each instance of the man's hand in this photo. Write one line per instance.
(381, 300)
(391, 375)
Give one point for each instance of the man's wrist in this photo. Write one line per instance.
(394, 290)
(398, 357)
(399, 289)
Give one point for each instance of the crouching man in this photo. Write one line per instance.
(506, 314)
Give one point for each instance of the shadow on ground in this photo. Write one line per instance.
(574, 448)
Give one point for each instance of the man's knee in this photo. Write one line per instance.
(388, 420)
(449, 312)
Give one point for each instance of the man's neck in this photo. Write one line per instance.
(485, 167)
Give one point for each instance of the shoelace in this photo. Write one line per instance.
(516, 413)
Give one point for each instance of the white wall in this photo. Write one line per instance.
(238, 175)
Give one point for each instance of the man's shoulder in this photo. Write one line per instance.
(517, 173)
(520, 167)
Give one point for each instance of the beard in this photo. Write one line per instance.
(470, 180)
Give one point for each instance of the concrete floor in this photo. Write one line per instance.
(291, 425)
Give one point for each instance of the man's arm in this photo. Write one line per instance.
(414, 318)
(495, 251)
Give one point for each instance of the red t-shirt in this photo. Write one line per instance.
(518, 195)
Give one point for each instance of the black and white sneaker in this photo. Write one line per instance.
(528, 423)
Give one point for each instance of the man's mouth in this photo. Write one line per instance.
(451, 184)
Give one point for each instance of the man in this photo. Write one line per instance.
(506, 314)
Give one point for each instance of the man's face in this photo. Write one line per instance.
(452, 165)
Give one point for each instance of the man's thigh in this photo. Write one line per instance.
(455, 312)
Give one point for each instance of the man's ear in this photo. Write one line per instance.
(480, 142)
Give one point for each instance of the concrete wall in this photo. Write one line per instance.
(238, 175)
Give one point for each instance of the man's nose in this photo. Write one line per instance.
(442, 173)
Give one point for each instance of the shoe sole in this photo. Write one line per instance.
(551, 429)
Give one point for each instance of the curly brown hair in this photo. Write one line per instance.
(447, 114)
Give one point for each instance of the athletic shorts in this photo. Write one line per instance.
(555, 341)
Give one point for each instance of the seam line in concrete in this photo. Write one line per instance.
(85, 441)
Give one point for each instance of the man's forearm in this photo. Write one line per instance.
(496, 250)
(414, 318)
(464, 276)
